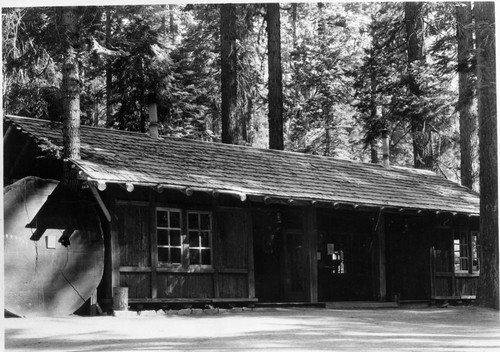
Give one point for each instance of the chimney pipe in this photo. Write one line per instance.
(385, 148)
(153, 120)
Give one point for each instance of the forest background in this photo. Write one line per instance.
(349, 71)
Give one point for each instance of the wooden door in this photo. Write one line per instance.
(293, 266)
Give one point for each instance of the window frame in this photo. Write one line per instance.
(185, 262)
(182, 237)
(199, 230)
(465, 250)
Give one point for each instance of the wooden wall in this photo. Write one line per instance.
(421, 258)
(445, 282)
(134, 241)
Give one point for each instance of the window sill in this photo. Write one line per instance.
(466, 274)
(182, 270)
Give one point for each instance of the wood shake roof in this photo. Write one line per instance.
(127, 157)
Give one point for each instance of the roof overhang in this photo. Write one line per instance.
(129, 185)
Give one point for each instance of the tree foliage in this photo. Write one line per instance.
(410, 95)
(345, 67)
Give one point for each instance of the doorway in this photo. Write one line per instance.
(278, 256)
(344, 257)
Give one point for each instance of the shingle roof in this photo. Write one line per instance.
(128, 157)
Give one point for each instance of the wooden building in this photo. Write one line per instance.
(191, 221)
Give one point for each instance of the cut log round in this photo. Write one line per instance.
(43, 277)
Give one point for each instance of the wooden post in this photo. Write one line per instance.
(251, 265)
(380, 284)
(114, 255)
(93, 302)
(432, 271)
(216, 249)
(153, 243)
(310, 249)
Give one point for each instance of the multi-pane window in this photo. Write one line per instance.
(199, 233)
(466, 251)
(184, 237)
(461, 249)
(169, 232)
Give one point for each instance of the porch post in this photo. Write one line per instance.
(251, 263)
(114, 253)
(153, 242)
(379, 258)
(311, 246)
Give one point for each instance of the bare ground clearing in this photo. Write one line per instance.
(429, 329)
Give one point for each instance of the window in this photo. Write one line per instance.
(461, 249)
(184, 237)
(466, 251)
(199, 232)
(169, 232)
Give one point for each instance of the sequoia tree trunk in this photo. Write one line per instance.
(229, 87)
(422, 151)
(465, 92)
(488, 289)
(70, 87)
(275, 84)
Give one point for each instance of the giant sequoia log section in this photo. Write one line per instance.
(53, 248)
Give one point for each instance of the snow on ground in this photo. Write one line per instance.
(294, 329)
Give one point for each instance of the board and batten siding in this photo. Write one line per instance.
(230, 274)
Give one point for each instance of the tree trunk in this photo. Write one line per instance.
(172, 28)
(422, 152)
(321, 22)
(109, 74)
(246, 121)
(465, 91)
(373, 106)
(329, 127)
(294, 24)
(275, 84)
(229, 87)
(70, 87)
(488, 289)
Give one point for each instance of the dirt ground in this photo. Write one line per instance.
(293, 329)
